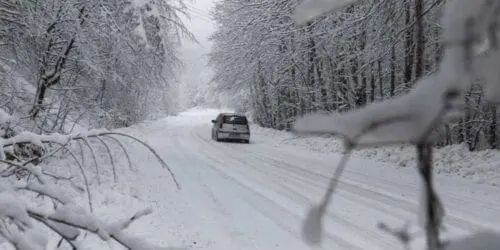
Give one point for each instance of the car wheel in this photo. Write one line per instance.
(217, 136)
(246, 141)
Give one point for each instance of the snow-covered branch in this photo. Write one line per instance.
(470, 50)
(20, 222)
(41, 140)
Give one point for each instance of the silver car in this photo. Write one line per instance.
(231, 126)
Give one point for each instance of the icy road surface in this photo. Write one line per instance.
(255, 196)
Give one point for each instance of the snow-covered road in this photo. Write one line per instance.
(255, 196)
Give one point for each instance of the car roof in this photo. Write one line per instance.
(236, 114)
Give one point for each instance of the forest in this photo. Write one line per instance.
(91, 63)
(368, 52)
(70, 72)
(91, 139)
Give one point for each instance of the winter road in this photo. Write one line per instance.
(255, 196)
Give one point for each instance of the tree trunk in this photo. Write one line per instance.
(372, 85)
(311, 90)
(419, 40)
(46, 81)
(380, 80)
(392, 89)
(408, 70)
(492, 138)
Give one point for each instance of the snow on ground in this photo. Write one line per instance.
(255, 196)
(454, 161)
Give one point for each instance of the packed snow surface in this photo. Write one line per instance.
(255, 196)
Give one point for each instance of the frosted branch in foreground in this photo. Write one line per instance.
(24, 225)
(471, 30)
(403, 119)
(40, 140)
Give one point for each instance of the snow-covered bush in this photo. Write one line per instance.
(24, 222)
(471, 50)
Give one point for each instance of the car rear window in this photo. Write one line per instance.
(235, 119)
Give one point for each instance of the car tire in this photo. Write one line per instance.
(217, 136)
(246, 141)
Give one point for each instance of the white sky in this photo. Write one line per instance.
(196, 73)
(200, 23)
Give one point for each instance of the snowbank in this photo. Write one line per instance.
(456, 160)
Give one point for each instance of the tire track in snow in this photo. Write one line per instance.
(364, 195)
(259, 189)
(367, 197)
(210, 165)
(361, 190)
(292, 194)
(348, 185)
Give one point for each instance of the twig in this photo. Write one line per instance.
(312, 227)
(92, 152)
(434, 209)
(63, 236)
(402, 234)
(68, 179)
(82, 171)
(40, 192)
(334, 180)
(115, 177)
(163, 163)
(135, 217)
(48, 139)
(44, 156)
(124, 150)
(24, 167)
(114, 235)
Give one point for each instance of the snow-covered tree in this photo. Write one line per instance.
(111, 62)
(90, 64)
(366, 52)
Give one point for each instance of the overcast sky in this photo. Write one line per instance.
(201, 23)
(196, 74)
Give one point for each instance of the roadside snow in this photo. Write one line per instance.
(454, 161)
